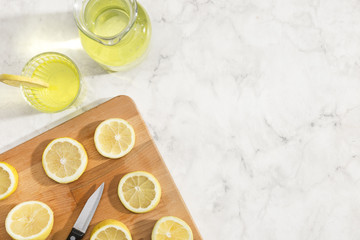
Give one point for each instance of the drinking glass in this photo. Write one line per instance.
(63, 77)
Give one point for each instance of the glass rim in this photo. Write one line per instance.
(38, 56)
(78, 12)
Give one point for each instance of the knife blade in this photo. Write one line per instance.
(87, 213)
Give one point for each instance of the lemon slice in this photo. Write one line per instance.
(114, 138)
(17, 81)
(64, 160)
(167, 228)
(110, 229)
(8, 180)
(139, 191)
(30, 220)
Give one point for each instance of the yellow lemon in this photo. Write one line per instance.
(139, 191)
(64, 160)
(30, 220)
(110, 229)
(8, 180)
(167, 228)
(114, 138)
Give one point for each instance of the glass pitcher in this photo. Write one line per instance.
(115, 33)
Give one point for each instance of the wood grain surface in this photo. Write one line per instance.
(67, 200)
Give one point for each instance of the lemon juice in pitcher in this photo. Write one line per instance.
(115, 33)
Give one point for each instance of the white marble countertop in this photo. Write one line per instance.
(254, 105)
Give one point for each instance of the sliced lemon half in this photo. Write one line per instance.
(32, 220)
(8, 180)
(64, 160)
(114, 138)
(139, 191)
(110, 229)
(167, 228)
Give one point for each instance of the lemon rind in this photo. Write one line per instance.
(123, 229)
(122, 153)
(153, 203)
(8, 221)
(171, 218)
(13, 179)
(78, 172)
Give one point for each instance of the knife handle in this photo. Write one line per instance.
(75, 235)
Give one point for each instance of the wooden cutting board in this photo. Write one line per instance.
(67, 200)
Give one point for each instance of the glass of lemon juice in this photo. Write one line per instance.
(115, 33)
(62, 77)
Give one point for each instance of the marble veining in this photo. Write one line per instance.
(254, 105)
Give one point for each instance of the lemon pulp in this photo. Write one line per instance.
(114, 138)
(110, 229)
(8, 180)
(36, 220)
(134, 190)
(64, 160)
(170, 227)
(32, 220)
(4, 181)
(139, 191)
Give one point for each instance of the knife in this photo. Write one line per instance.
(87, 213)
